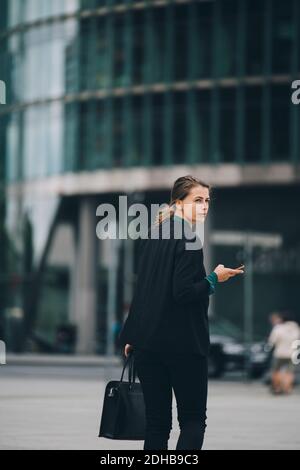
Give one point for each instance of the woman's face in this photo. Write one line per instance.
(194, 207)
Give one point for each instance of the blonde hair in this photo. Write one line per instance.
(180, 190)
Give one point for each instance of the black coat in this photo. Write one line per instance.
(168, 311)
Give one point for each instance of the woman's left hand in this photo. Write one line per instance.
(127, 349)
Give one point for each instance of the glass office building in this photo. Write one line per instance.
(121, 97)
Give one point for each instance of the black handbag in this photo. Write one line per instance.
(123, 411)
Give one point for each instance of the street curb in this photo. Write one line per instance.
(61, 360)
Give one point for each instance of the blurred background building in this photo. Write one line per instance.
(109, 98)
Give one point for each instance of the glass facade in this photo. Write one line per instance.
(90, 78)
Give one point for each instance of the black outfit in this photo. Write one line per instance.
(169, 307)
(167, 326)
(186, 374)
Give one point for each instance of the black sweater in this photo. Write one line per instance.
(168, 311)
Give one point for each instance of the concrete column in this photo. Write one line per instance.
(112, 294)
(84, 279)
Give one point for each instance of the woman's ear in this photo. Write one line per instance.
(180, 206)
(177, 204)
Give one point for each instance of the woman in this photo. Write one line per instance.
(167, 325)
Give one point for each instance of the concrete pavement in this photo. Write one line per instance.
(50, 407)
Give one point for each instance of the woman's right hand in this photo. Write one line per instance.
(225, 273)
(128, 348)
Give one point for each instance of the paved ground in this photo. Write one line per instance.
(51, 407)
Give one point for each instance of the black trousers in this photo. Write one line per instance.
(160, 373)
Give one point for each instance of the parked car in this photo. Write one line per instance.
(228, 353)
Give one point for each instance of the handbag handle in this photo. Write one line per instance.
(131, 369)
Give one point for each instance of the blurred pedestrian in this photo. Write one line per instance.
(285, 331)
(275, 318)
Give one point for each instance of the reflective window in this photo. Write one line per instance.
(159, 45)
(31, 123)
(15, 12)
(101, 69)
(71, 136)
(179, 127)
(93, 53)
(72, 53)
(55, 60)
(227, 39)
(43, 140)
(203, 125)
(255, 37)
(137, 148)
(119, 53)
(284, 35)
(13, 66)
(71, 6)
(55, 130)
(118, 132)
(138, 47)
(37, 63)
(180, 42)
(227, 124)
(89, 4)
(13, 147)
(92, 143)
(39, 9)
(46, 57)
(204, 40)
(20, 11)
(35, 9)
(84, 140)
(87, 58)
(253, 124)
(158, 128)
(100, 137)
(280, 122)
